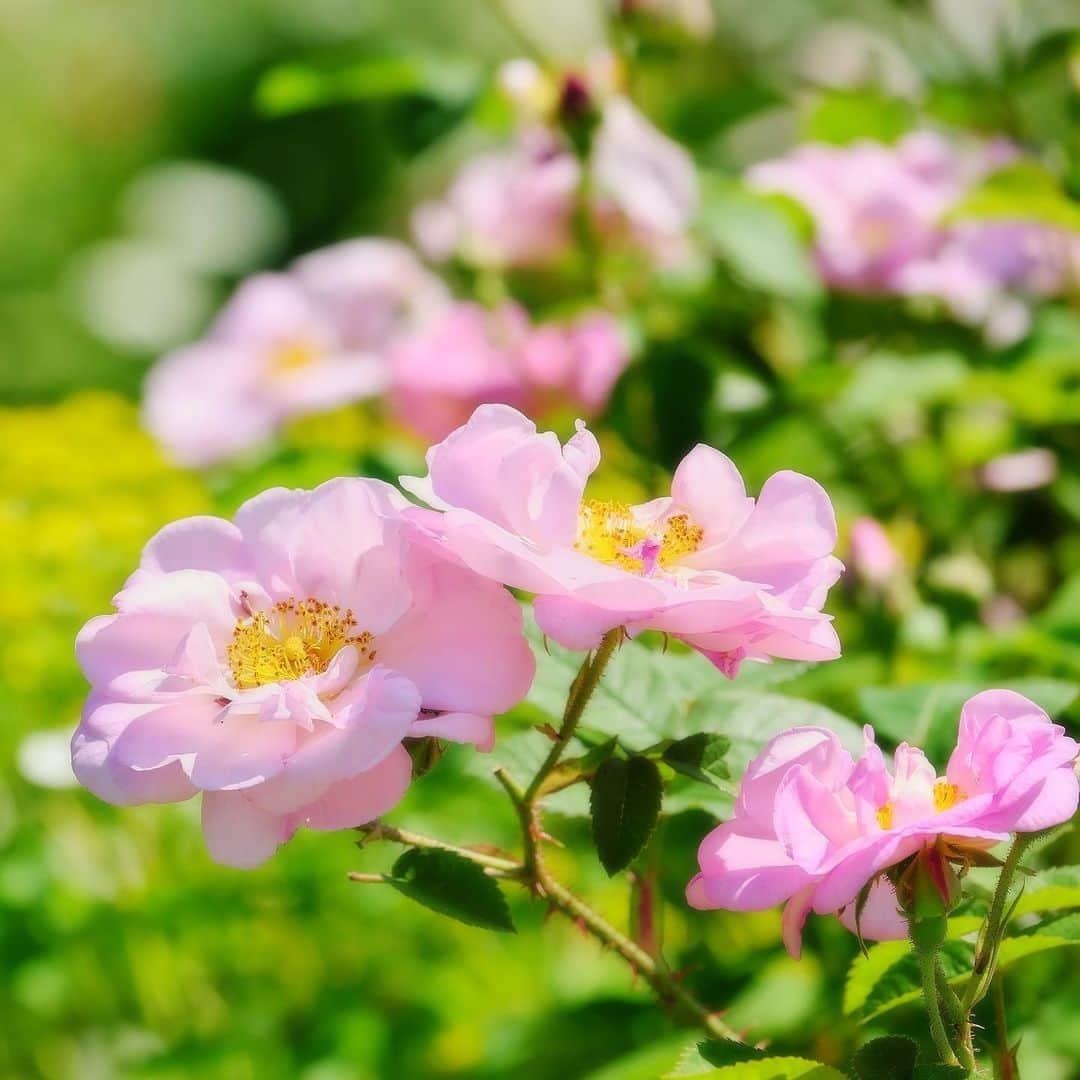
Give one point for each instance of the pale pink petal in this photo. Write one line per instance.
(880, 918)
(456, 618)
(362, 797)
(238, 833)
(198, 543)
(456, 727)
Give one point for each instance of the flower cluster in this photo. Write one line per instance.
(817, 830)
(470, 355)
(515, 207)
(276, 663)
(882, 224)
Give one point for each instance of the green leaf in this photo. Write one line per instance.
(888, 975)
(758, 242)
(928, 714)
(768, 1068)
(1062, 927)
(892, 1057)
(625, 806)
(296, 87)
(884, 382)
(1053, 889)
(1023, 191)
(700, 756)
(451, 885)
(940, 1072)
(843, 116)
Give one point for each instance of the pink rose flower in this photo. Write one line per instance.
(273, 353)
(505, 208)
(472, 356)
(276, 664)
(644, 182)
(374, 290)
(873, 556)
(731, 577)
(813, 828)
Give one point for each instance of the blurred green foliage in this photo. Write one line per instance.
(126, 952)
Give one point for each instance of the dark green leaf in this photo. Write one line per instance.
(940, 1072)
(700, 756)
(625, 806)
(451, 885)
(725, 1052)
(892, 1057)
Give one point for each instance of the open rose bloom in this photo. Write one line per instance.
(471, 355)
(813, 827)
(733, 577)
(287, 345)
(276, 664)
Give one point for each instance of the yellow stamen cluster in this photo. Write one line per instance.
(608, 532)
(295, 638)
(294, 355)
(946, 796)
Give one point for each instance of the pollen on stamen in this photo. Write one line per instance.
(885, 816)
(293, 639)
(608, 532)
(946, 796)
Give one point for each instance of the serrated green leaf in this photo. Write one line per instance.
(1053, 889)
(451, 885)
(888, 975)
(625, 805)
(770, 1068)
(928, 714)
(1063, 927)
(720, 1052)
(940, 1072)
(891, 1057)
(700, 756)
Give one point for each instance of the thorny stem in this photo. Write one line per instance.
(378, 831)
(588, 678)
(959, 1021)
(533, 870)
(927, 959)
(990, 937)
(563, 900)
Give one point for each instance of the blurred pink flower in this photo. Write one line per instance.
(505, 208)
(276, 665)
(882, 226)
(472, 356)
(372, 289)
(644, 182)
(813, 828)
(515, 207)
(873, 556)
(731, 577)
(1023, 470)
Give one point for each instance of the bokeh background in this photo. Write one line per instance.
(155, 152)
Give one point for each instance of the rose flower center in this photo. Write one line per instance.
(946, 796)
(293, 639)
(293, 355)
(608, 532)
